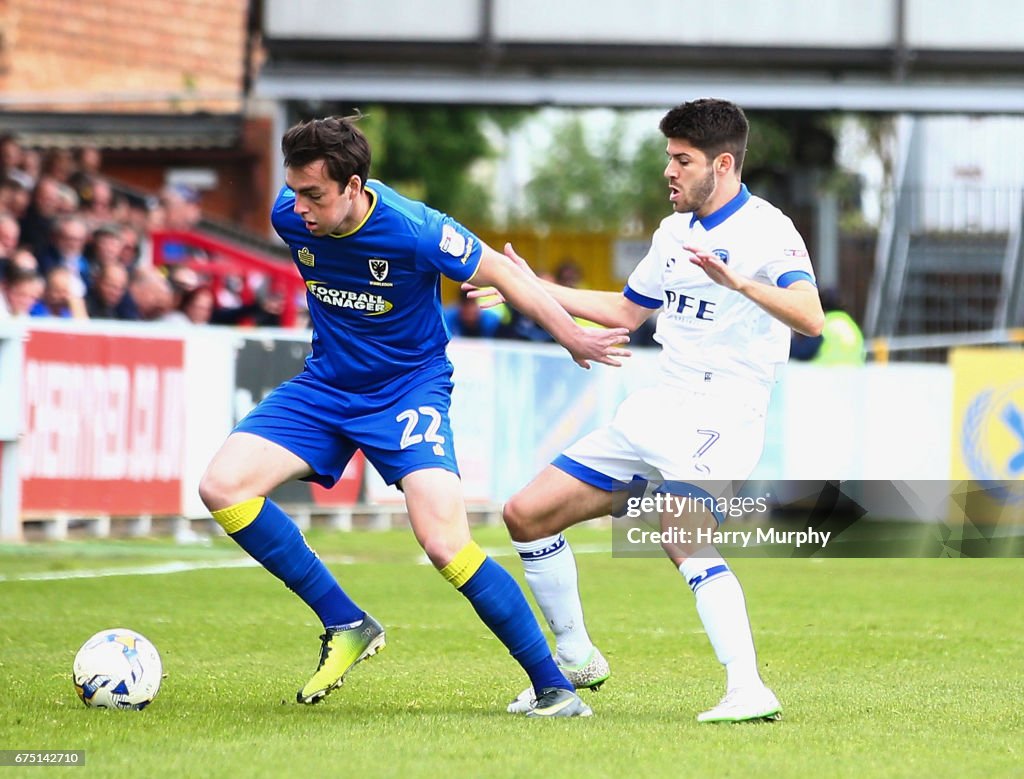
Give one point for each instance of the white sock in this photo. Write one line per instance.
(723, 611)
(551, 573)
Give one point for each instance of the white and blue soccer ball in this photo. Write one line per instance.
(118, 669)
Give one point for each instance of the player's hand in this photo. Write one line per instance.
(598, 344)
(717, 271)
(519, 261)
(485, 297)
(489, 297)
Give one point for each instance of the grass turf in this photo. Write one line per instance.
(885, 668)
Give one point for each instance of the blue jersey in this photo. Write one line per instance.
(374, 293)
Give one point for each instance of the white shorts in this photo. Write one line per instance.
(666, 433)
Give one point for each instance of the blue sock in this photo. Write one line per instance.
(278, 545)
(503, 608)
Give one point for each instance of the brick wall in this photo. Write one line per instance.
(242, 195)
(95, 49)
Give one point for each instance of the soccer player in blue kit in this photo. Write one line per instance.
(378, 379)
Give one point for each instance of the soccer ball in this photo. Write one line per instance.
(117, 669)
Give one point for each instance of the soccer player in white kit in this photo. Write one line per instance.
(731, 276)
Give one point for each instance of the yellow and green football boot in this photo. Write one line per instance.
(340, 650)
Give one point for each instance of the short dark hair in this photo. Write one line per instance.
(14, 274)
(12, 182)
(335, 140)
(711, 125)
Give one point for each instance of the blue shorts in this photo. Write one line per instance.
(324, 426)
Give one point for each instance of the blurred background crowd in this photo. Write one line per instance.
(73, 244)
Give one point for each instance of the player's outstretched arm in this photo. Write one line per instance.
(797, 305)
(611, 309)
(525, 292)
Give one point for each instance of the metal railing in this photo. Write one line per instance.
(935, 347)
(887, 247)
(220, 260)
(948, 260)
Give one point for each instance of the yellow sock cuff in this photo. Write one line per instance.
(466, 563)
(241, 515)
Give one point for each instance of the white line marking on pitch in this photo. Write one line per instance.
(177, 566)
(506, 552)
(180, 566)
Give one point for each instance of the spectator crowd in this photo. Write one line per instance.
(74, 245)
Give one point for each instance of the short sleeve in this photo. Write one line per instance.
(788, 260)
(447, 247)
(644, 286)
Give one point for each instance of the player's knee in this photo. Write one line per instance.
(522, 526)
(511, 516)
(441, 550)
(219, 489)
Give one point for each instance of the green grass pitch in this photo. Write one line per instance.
(885, 667)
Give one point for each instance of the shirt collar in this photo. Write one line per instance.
(364, 220)
(717, 217)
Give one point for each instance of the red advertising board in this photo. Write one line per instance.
(104, 424)
(346, 491)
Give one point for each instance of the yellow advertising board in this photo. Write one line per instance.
(988, 419)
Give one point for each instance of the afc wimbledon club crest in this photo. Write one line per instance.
(378, 269)
(993, 436)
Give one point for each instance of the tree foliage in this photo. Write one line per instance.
(599, 179)
(427, 151)
(602, 181)
(589, 181)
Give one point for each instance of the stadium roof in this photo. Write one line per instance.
(123, 131)
(806, 90)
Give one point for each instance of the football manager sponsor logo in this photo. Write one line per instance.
(367, 302)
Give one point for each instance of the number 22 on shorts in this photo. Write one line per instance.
(411, 417)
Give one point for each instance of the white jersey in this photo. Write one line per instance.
(713, 337)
